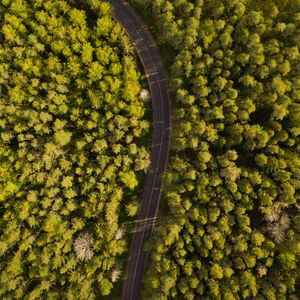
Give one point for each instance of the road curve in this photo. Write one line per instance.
(161, 116)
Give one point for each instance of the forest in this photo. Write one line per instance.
(74, 131)
(72, 147)
(231, 228)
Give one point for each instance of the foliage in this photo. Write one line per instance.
(144, 95)
(83, 246)
(231, 230)
(70, 125)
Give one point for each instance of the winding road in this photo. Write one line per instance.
(161, 115)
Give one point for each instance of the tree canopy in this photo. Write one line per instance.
(71, 126)
(231, 228)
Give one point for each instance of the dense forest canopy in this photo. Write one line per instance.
(232, 227)
(71, 123)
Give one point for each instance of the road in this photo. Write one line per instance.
(161, 117)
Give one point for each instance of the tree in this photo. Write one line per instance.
(230, 173)
(144, 95)
(216, 271)
(167, 282)
(62, 137)
(115, 274)
(132, 209)
(83, 246)
(104, 286)
(129, 179)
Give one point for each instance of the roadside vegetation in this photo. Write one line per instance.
(73, 120)
(232, 227)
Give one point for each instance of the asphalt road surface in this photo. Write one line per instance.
(158, 83)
